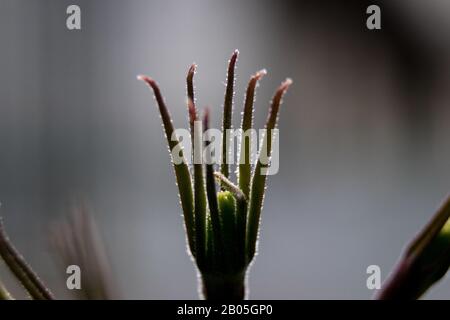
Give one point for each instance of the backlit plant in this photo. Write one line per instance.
(222, 226)
(221, 223)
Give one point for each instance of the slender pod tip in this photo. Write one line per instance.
(147, 79)
(235, 55)
(285, 84)
(260, 74)
(192, 69)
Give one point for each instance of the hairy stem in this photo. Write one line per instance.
(182, 173)
(259, 179)
(199, 184)
(227, 113)
(247, 124)
(213, 205)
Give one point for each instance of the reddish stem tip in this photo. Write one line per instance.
(285, 85)
(260, 74)
(234, 57)
(147, 79)
(192, 70)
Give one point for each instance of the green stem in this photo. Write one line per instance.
(182, 174)
(258, 185)
(227, 113)
(223, 287)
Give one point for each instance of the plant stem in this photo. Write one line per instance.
(4, 294)
(223, 287)
(401, 284)
(227, 113)
(424, 262)
(21, 269)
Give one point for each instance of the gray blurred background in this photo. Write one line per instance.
(364, 133)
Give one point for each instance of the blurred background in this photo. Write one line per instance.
(364, 133)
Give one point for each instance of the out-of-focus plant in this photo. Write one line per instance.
(21, 270)
(4, 293)
(76, 240)
(222, 226)
(424, 262)
(221, 217)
